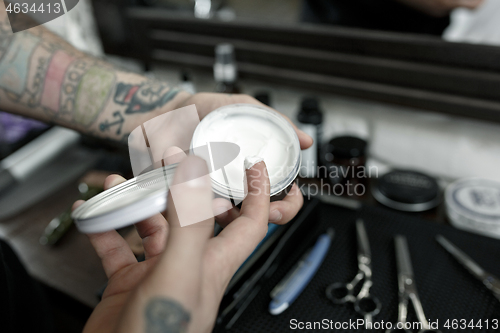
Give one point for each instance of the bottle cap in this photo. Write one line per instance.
(346, 147)
(310, 112)
(225, 65)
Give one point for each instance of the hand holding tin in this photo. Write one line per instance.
(252, 130)
(186, 269)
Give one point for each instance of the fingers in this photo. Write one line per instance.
(280, 212)
(190, 195)
(113, 250)
(256, 203)
(305, 140)
(189, 215)
(238, 240)
(154, 230)
(283, 211)
(112, 181)
(173, 155)
(224, 212)
(471, 4)
(76, 204)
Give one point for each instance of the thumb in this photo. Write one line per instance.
(191, 224)
(170, 294)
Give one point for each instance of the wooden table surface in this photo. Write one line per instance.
(71, 266)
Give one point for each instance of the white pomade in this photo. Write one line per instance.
(261, 134)
(250, 161)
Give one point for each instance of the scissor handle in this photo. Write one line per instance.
(343, 289)
(367, 305)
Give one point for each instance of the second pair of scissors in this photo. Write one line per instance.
(341, 293)
(408, 291)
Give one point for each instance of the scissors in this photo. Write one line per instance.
(342, 293)
(407, 290)
(489, 280)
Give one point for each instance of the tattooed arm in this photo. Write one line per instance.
(44, 77)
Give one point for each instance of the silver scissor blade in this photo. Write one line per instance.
(462, 258)
(403, 259)
(489, 280)
(363, 243)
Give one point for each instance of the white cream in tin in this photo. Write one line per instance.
(260, 133)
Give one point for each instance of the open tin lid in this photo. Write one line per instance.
(143, 196)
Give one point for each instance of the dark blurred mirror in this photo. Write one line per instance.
(472, 21)
(438, 55)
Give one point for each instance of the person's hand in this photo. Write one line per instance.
(281, 211)
(207, 102)
(178, 288)
(440, 8)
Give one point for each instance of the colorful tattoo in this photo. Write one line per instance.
(53, 80)
(14, 63)
(43, 76)
(93, 93)
(69, 88)
(39, 64)
(144, 97)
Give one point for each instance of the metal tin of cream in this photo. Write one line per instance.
(248, 130)
(259, 132)
(473, 204)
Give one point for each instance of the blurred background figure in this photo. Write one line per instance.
(415, 16)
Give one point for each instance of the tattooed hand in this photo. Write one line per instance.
(178, 288)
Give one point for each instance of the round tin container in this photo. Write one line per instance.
(258, 131)
(407, 191)
(473, 204)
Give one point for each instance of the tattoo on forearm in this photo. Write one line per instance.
(118, 123)
(44, 74)
(165, 315)
(143, 97)
(16, 55)
(87, 92)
